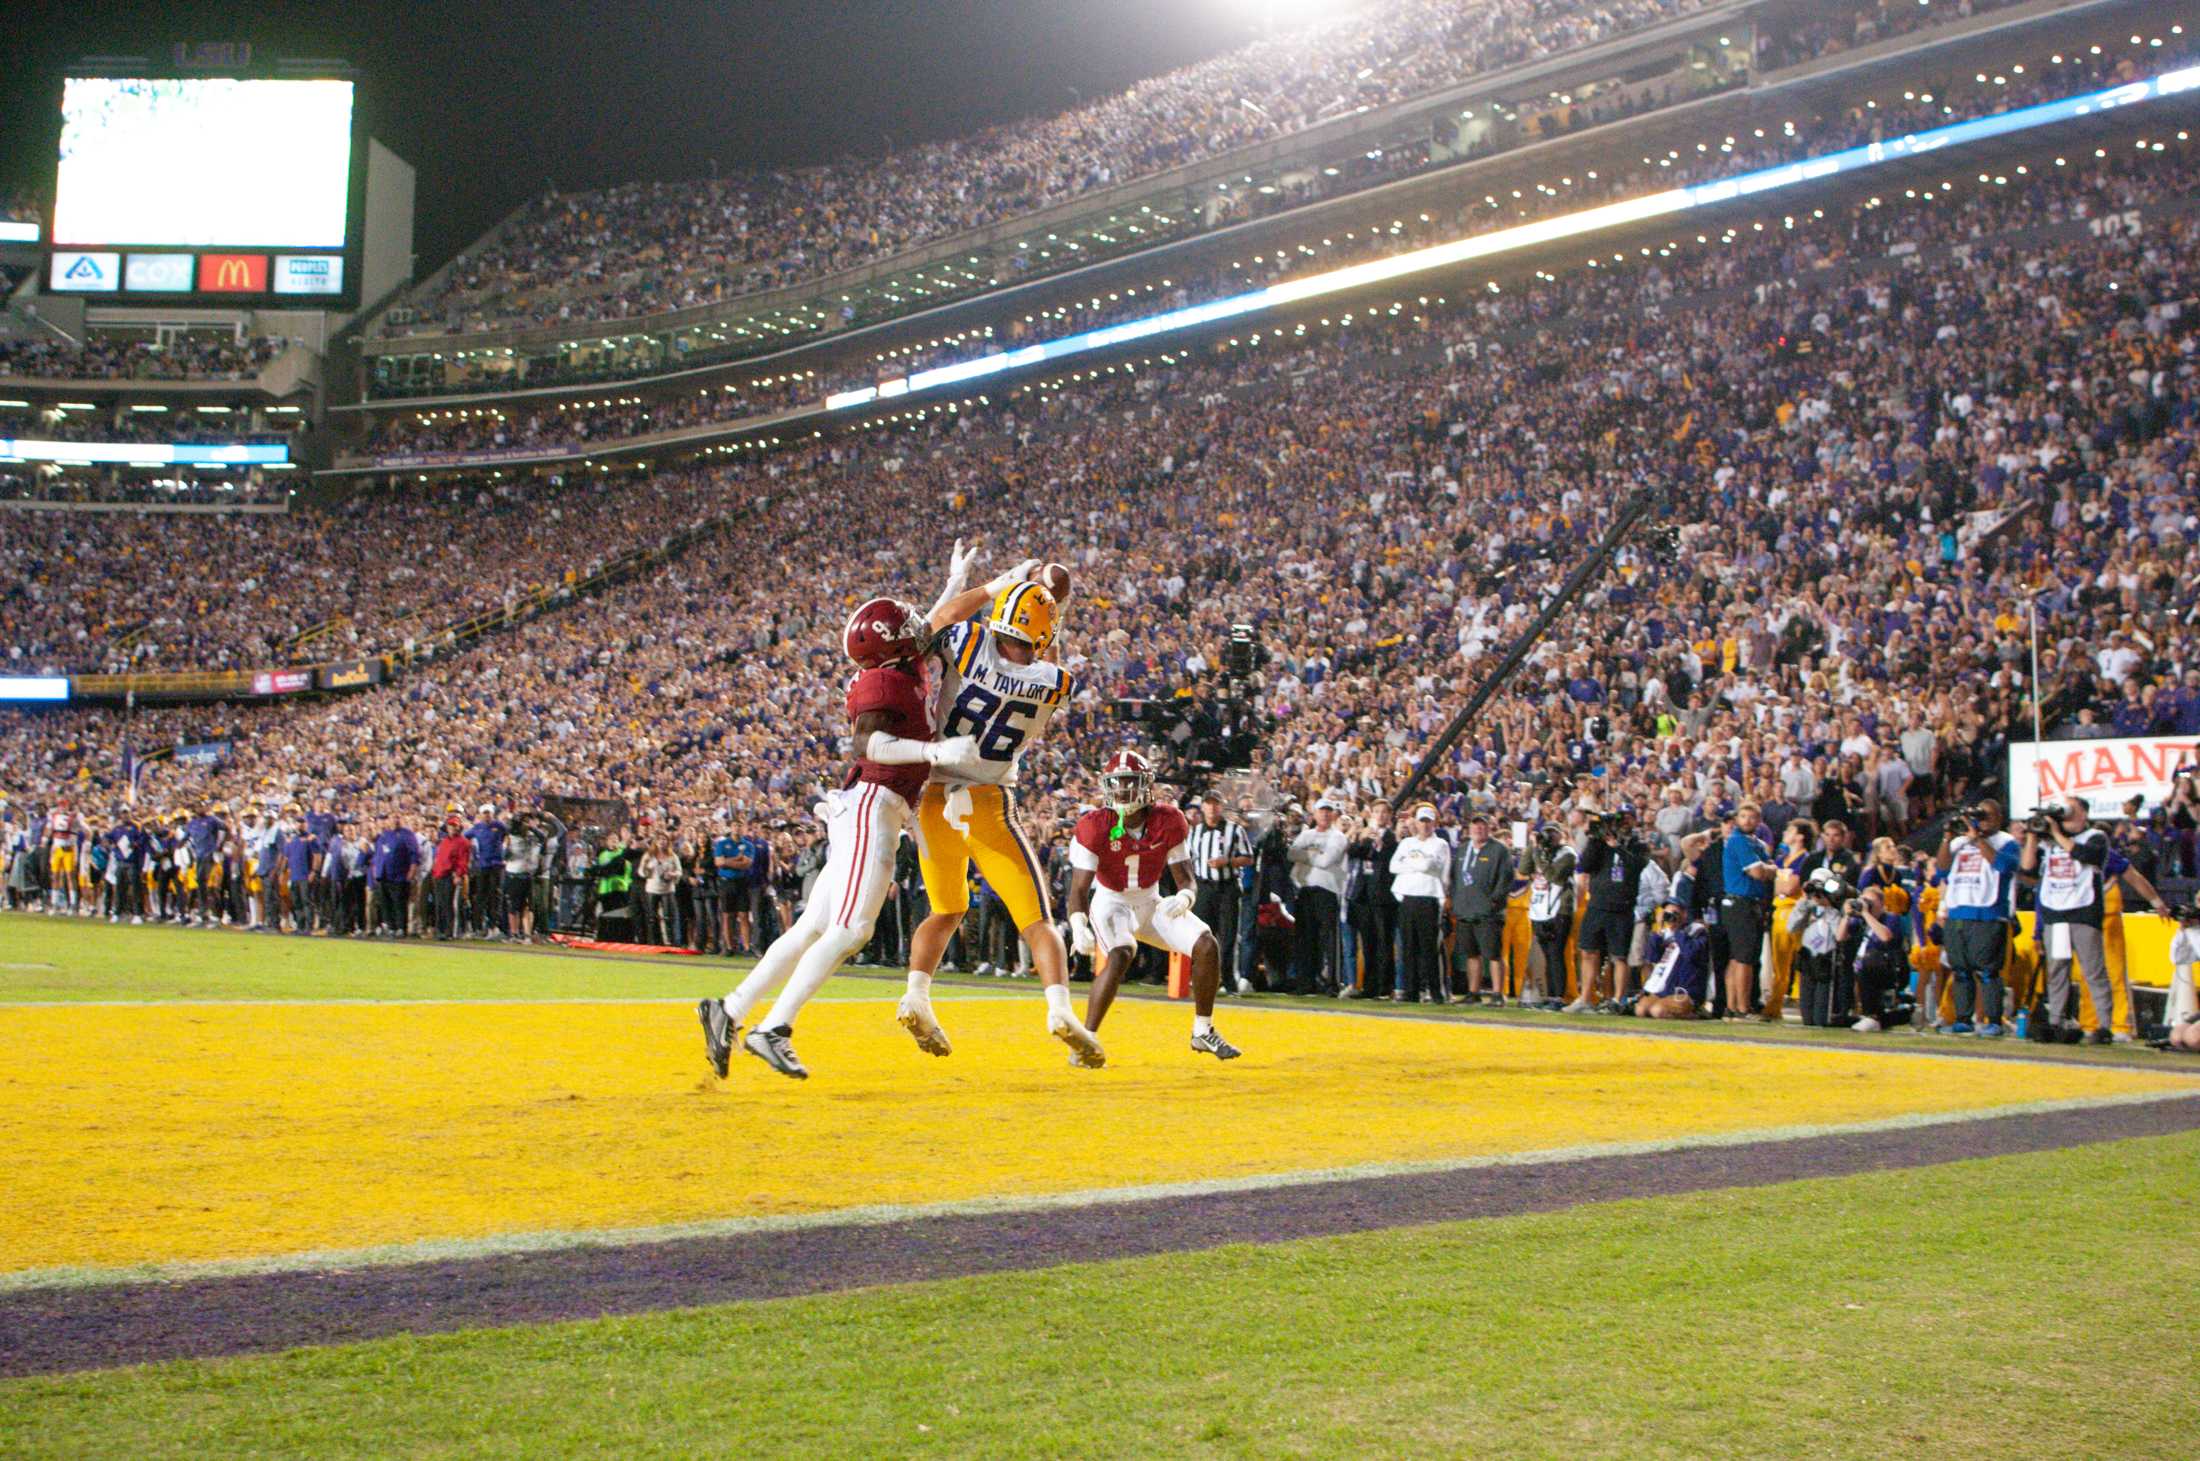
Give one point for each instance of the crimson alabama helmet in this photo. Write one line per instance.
(883, 632)
(1126, 782)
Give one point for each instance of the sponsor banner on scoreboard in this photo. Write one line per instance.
(83, 271)
(350, 675)
(34, 687)
(205, 753)
(18, 231)
(233, 273)
(281, 682)
(2106, 773)
(309, 274)
(158, 273)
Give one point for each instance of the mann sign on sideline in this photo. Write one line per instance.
(2105, 773)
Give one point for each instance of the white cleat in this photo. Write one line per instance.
(1084, 1046)
(915, 1016)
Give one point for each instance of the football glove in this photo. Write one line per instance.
(1001, 582)
(1081, 940)
(954, 752)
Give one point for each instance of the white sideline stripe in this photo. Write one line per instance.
(603, 999)
(441, 1250)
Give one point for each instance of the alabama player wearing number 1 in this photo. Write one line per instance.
(894, 752)
(1124, 848)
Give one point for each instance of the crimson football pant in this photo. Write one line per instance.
(863, 826)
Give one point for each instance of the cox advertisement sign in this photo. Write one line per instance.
(2106, 773)
(158, 273)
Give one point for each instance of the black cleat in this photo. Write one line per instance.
(1213, 1044)
(718, 1032)
(772, 1047)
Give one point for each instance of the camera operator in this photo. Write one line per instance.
(2069, 855)
(1837, 853)
(1551, 906)
(1369, 906)
(1817, 925)
(1882, 955)
(1608, 876)
(1978, 861)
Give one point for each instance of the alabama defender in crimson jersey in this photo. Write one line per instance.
(1124, 849)
(891, 723)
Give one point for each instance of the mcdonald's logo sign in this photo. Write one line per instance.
(233, 273)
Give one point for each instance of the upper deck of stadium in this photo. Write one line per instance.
(640, 282)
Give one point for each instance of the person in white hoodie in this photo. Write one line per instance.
(1420, 877)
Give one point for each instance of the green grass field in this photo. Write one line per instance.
(2034, 1306)
(59, 960)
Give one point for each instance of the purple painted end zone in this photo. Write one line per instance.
(52, 1330)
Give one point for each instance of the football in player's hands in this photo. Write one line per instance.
(1054, 578)
(952, 751)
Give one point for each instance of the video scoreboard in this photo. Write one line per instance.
(207, 189)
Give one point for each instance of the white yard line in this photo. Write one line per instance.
(506, 1245)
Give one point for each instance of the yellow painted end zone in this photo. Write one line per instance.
(247, 1131)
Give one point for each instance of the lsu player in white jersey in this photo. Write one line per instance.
(996, 684)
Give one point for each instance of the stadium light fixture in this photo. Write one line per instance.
(1529, 235)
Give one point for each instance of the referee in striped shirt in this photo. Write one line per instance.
(1219, 849)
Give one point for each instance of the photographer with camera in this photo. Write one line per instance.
(1978, 862)
(2069, 856)
(1882, 955)
(2183, 1014)
(1817, 925)
(1607, 876)
(1551, 907)
(1678, 957)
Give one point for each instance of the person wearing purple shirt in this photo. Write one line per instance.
(203, 835)
(486, 877)
(301, 857)
(391, 863)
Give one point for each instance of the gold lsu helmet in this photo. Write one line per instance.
(1026, 611)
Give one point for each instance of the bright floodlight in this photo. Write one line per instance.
(1279, 15)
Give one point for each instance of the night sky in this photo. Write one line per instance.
(493, 102)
